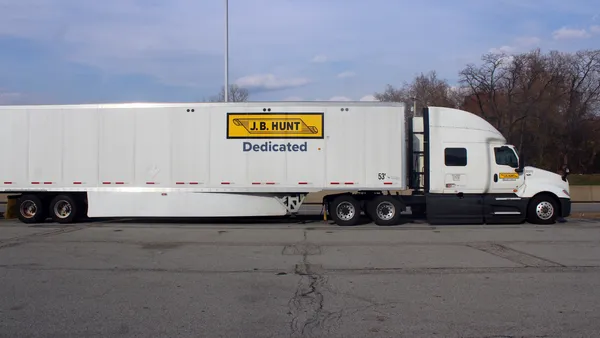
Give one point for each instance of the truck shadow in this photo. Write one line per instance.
(288, 220)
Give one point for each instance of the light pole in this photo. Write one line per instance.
(226, 50)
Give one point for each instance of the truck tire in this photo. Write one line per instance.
(345, 210)
(32, 209)
(542, 210)
(64, 209)
(385, 210)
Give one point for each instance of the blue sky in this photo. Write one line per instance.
(90, 51)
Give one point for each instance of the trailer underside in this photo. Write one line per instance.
(343, 208)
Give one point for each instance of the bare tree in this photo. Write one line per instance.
(235, 94)
(426, 90)
(579, 109)
(547, 104)
(486, 86)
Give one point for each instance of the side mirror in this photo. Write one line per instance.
(521, 165)
(565, 174)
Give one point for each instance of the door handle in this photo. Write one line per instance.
(495, 177)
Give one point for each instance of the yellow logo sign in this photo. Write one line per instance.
(510, 176)
(291, 125)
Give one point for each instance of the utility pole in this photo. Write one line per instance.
(226, 50)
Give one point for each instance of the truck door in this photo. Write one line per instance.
(504, 177)
(456, 195)
(501, 202)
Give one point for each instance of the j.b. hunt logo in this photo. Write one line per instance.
(275, 126)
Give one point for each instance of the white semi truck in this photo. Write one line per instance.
(66, 162)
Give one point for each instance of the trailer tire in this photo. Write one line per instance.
(32, 209)
(385, 210)
(64, 209)
(542, 209)
(345, 210)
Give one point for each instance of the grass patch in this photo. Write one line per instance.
(584, 179)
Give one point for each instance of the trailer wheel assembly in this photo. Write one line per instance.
(385, 210)
(345, 210)
(31, 209)
(63, 209)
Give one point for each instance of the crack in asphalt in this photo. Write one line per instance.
(515, 256)
(309, 318)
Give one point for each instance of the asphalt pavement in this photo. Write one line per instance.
(299, 278)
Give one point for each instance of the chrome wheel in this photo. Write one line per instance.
(385, 211)
(544, 210)
(345, 211)
(28, 209)
(63, 209)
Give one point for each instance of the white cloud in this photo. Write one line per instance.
(503, 50)
(569, 33)
(340, 98)
(346, 74)
(368, 98)
(9, 98)
(270, 82)
(320, 59)
(520, 43)
(595, 29)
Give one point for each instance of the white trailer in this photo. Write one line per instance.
(263, 158)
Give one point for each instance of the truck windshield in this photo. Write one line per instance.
(506, 156)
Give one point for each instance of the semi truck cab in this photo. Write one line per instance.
(467, 173)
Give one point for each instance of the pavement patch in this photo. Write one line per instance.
(568, 254)
(302, 249)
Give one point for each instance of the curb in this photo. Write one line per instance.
(585, 215)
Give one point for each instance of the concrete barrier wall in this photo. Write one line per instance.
(585, 193)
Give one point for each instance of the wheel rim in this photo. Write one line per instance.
(28, 209)
(545, 210)
(62, 209)
(345, 211)
(385, 211)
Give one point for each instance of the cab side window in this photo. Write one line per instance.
(505, 156)
(455, 157)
